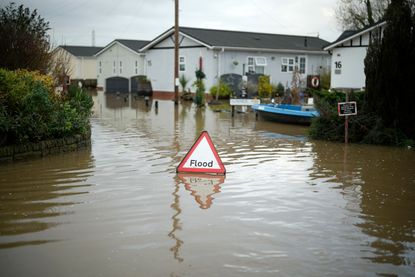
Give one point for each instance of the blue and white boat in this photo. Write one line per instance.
(286, 113)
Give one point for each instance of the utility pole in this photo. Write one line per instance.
(176, 52)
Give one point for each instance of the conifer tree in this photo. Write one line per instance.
(389, 71)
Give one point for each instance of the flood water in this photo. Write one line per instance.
(288, 206)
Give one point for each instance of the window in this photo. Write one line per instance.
(100, 67)
(136, 67)
(114, 68)
(251, 66)
(120, 67)
(182, 63)
(302, 65)
(260, 61)
(257, 65)
(287, 65)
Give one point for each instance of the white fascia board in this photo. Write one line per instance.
(112, 44)
(63, 49)
(354, 36)
(168, 34)
(269, 50)
(157, 40)
(197, 41)
(105, 48)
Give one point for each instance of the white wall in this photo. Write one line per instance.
(314, 63)
(118, 53)
(85, 68)
(347, 63)
(80, 67)
(159, 64)
(347, 67)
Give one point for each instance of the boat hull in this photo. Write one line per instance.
(286, 113)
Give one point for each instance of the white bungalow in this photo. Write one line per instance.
(348, 55)
(80, 62)
(224, 52)
(118, 63)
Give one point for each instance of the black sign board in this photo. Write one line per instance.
(347, 108)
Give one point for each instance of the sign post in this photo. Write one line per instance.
(345, 109)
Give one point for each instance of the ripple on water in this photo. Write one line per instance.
(287, 206)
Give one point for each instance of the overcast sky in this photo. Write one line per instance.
(73, 21)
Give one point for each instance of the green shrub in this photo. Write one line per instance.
(183, 82)
(264, 87)
(330, 126)
(365, 127)
(30, 111)
(225, 91)
(277, 90)
(325, 78)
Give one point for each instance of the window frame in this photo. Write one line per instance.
(304, 70)
(182, 63)
(288, 64)
(256, 64)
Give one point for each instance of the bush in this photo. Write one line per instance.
(325, 79)
(365, 127)
(183, 82)
(30, 111)
(264, 87)
(224, 91)
(277, 90)
(330, 126)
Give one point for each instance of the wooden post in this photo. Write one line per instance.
(346, 122)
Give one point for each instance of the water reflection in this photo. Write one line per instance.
(290, 206)
(34, 192)
(202, 187)
(141, 103)
(176, 224)
(379, 185)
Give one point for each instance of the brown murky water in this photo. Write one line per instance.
(288, 206)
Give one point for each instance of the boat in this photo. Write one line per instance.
(287, 113)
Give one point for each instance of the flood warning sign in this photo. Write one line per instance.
(202, 157)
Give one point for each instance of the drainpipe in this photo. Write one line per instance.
(218, 86)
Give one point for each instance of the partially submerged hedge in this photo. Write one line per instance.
(31, 111)
(365, 127)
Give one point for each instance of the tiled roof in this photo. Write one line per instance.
(134, 45)
(81, 51)
(349, 34)
(238, 39)
(246, 40)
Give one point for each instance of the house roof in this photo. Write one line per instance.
(132, 44)
(81, 51)
(351, 34)
(215, 39)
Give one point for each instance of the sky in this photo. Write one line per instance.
(73, 22)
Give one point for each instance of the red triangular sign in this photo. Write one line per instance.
(202, 157)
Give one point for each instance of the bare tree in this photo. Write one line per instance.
(60, 65)
(357, 14)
